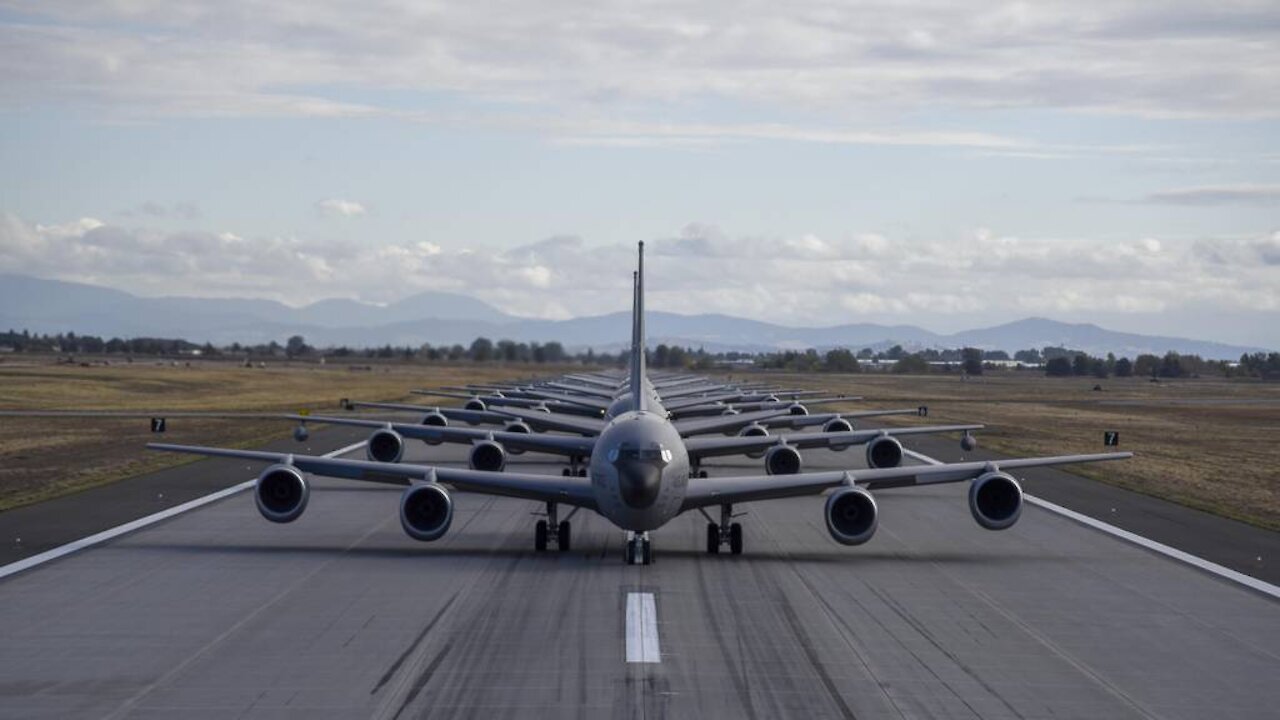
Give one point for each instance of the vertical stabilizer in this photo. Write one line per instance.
(637, 339)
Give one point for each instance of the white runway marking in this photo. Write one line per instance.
(85, 542)
(1248, 581)
(642, 629)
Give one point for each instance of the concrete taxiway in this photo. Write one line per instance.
(218, 613)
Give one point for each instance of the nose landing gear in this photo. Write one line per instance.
(638, 549)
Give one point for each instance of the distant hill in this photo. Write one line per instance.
(52, 306)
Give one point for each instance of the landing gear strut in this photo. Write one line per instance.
(577, 467)
(549, 530)
(638, 551)
(723, 532)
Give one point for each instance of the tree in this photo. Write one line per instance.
(911, 365)
(296, 346)
(1171, 365)
(1030, 357)
(1146, 365)
(1124, 367)
(481, 349)
(841, 360)
(1099, 368)
(1058, 366)
(971, 361)
(1081, 364)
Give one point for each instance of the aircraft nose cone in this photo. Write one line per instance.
(639, 483)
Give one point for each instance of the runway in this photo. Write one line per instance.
(218, 613)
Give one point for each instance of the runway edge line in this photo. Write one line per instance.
(14, 568)
(1226, 573)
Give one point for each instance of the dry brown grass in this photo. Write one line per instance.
(1206, 443)
(41, 458)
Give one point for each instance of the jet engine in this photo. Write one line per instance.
(488, 455)
(837, 424)
(884, 452)
(425, 512)
(434, 419)
(851, 516)
(782, 460)
(385, 445)
(754, 430)
(968, 442)
(796, 408)
(281, 493)
(995, 499)
(517, 426)
(475, 404)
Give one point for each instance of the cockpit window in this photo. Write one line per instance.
(654, 453)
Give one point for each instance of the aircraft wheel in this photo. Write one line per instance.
(735, 539)
(713, 538)
(566, 472)
(562, 536)
(540, 536)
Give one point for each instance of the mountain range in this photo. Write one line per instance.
(53, 306)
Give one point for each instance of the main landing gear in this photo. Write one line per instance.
(724, 532)
(551, 531)
(638, 550)
(577, 467)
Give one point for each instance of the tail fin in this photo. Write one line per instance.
(637, 339)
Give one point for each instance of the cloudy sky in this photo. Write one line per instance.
(934, 163)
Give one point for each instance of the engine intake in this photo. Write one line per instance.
(488, 455)
(851, 516)
(475, 404)
(434, 419)
(281, 493)
(385, 445)
(754, 430)
(837, 424)
(995, 499)
(426, 512)
(517, 426)
(797, 409)
(782, 460)
(884, 452)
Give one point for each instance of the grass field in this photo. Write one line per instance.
(1209, 444)
(1206, 443)
(41, 458)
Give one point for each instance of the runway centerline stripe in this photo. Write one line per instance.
(1226, 573)
(14, 568)
(642, 629)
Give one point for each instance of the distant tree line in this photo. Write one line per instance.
(1055, 361)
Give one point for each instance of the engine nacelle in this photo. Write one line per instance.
(884, 452)
(797, 409)
(851, 516)
(281, 493)
(385, 445)
(426, 512)
(517, 426)
(488, 455)
(837, 424)
(754, 430)
(475, 404)
(782, 460)
(434, 419)
(995, 499)
(968, 442)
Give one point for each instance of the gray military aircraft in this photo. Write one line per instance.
(639, 479)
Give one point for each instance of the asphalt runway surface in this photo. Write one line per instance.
(218, 613)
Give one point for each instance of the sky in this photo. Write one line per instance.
(950, 165)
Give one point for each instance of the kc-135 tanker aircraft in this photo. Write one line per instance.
(636, 456)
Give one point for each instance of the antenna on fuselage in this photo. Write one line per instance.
(637, 339)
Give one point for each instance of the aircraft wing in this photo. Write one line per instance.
(703, 492)
(557, 421)
(703, 447)
(470, 416)
(722, 423)
(543, 488)
(556, 444)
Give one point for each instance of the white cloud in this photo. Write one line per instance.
(798, 279)
(1213, 195)
(334, 207)
(864, 67)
